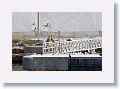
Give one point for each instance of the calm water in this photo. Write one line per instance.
(17, 67)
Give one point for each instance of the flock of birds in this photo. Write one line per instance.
(47, 25)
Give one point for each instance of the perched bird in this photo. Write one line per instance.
(69, 56)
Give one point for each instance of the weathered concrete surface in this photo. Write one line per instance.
(85, 64)
(62, 63)
(45, 63)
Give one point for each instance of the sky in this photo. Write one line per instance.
(59, 21)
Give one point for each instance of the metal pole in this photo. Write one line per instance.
(38, 23)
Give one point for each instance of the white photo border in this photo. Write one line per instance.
(104, 76)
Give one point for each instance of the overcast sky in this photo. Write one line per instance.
(63, 21)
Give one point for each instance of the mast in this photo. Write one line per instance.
(38, 23)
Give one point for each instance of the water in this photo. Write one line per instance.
(17, 67)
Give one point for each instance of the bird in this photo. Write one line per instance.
(34, 29)
(69, 56)
(33, 23)
(47, 25)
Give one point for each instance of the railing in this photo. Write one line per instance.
(75, 45)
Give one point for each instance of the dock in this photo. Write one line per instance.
(47, 62)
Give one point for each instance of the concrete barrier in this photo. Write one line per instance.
(62, 63)
(45, 63)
